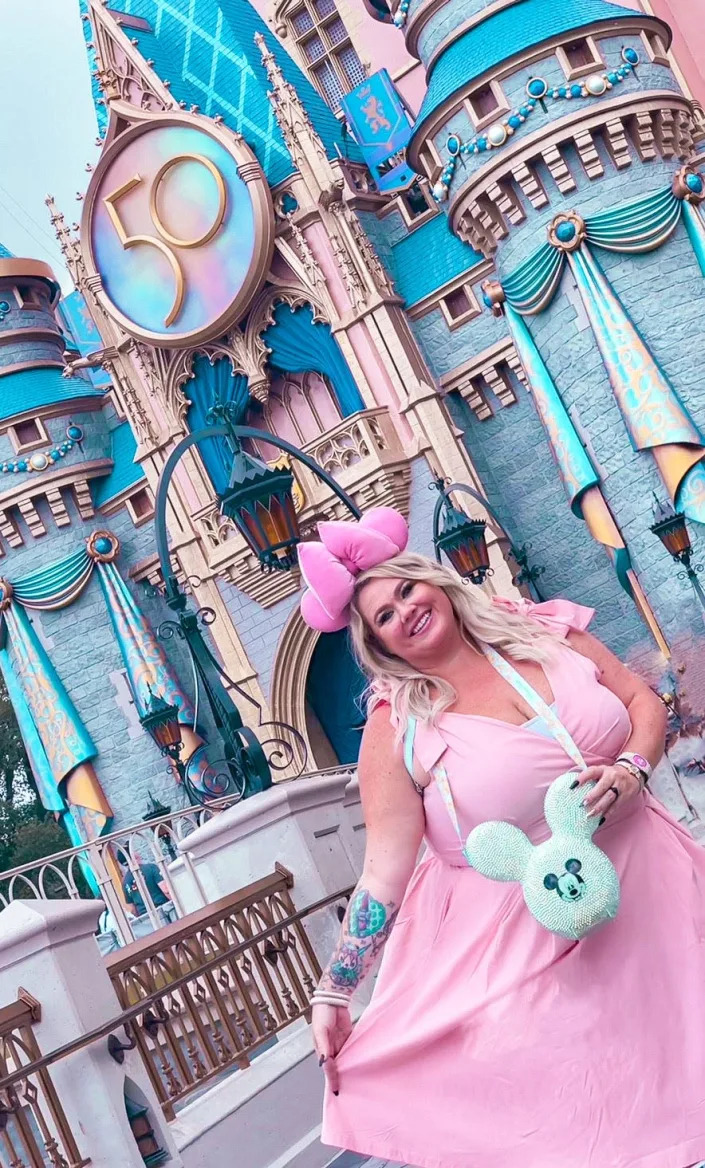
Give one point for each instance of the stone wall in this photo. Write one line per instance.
(80, 641)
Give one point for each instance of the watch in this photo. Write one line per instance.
(637, 760)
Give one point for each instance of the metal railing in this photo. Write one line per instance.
(33, 1126)
(210, 1008)
(70, 873)
(205, 996)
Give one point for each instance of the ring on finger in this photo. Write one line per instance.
(616, 794)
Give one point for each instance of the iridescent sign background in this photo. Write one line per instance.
(139, 280)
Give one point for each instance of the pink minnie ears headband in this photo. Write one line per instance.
(346, 549)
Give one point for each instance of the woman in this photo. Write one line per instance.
(489, 1041)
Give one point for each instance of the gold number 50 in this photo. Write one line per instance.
(164, 241)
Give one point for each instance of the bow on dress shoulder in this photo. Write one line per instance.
(558, 615)
(346, 549)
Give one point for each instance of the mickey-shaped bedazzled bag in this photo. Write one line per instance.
(570, 886)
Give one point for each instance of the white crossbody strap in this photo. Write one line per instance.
(537, 704)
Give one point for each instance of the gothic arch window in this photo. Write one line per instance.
(300, 407)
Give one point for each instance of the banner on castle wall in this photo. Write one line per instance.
(655, 418)
(59, 748)
(382, 129)
(81, 328)
(178, 226)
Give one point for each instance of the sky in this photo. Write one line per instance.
(47, 126)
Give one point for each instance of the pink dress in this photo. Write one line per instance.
(492, 1043)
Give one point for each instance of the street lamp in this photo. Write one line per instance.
(669, 526)
(161, 721)
(258, 500)
(464, 542)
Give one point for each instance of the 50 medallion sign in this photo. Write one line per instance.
(178, 226)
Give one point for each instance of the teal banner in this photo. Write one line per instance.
(382, 128)
(576, 469)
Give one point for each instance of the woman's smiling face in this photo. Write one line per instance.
(411, 619)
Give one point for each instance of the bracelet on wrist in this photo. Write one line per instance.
(339, 995)
(634, 771)
(336, 1001)
(639, 762)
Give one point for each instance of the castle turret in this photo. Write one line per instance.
(561, 148)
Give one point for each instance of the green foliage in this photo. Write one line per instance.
(16, 780)
(27, 833)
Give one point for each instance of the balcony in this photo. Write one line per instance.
(363, 453)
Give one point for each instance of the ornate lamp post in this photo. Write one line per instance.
(669, 526)
(259, 501)
(464, 539)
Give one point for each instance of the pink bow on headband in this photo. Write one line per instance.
(346, 549)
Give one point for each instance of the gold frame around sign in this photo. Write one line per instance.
(263, 214)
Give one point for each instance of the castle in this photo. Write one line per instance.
(428, 239)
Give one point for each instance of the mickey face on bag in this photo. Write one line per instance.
(569, 886)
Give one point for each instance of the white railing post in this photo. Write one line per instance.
(48, 948)
(111, 896)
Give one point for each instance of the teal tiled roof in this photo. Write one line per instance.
(206, 51)
(509, 31)
(101, 110)
(125, 472)
(4, 253)
(29, 389)
(428, 258)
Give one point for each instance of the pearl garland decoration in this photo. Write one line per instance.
(43, 459)
(537, 90)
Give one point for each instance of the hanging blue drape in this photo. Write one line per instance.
(215, 384)
(655, 418)
(638, 226)
(576, 470)
(298, 344)
(149, 673)
(334, 690)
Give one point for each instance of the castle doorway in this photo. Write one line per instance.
(334, 689)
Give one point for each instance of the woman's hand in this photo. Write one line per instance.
(601, 800)
(332, 1027)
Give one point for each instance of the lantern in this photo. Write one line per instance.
(669, 526)
(260, 503)
(161, 721)
(464, 543)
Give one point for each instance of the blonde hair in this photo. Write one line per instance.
(412, 694)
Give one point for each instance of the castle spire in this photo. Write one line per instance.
(68, 241)
(301, 139)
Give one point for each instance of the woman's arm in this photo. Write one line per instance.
(394, 821)
(647, 714)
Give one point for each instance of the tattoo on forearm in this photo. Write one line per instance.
(366, 927)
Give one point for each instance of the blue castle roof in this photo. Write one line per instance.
(29, 389)
(125, 472)
(207, 52)
(101, 110)
(502, 36)
(5, 254)
(428, 258)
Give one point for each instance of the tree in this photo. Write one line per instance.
(28, 833)
(17, 783)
